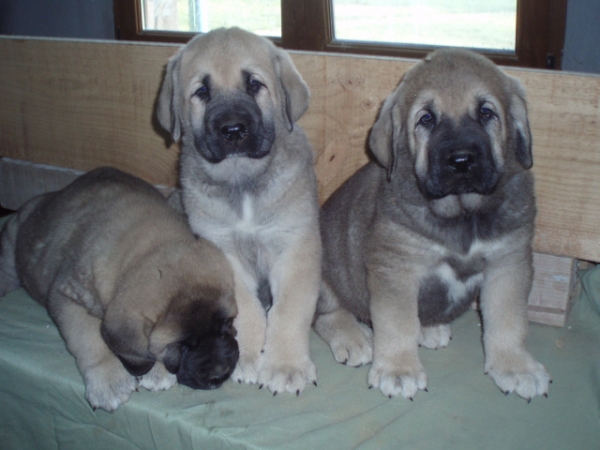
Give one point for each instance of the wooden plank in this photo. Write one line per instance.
(553, 284)
(80, 104)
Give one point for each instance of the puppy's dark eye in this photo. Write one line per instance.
(202, 93)
(486, 114)
(253, 86)
(427, 120)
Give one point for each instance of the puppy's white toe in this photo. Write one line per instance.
(436, 336)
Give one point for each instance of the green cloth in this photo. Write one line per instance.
(42, 404)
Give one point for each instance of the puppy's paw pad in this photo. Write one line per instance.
(290, 377)
(520, 374)
(392, 381)
(437, 336)
(158, 379)
(353, 347)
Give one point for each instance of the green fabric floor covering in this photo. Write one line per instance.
(42, 405)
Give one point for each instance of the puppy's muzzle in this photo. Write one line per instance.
(460, 161)
(234, 129)
(208, 363)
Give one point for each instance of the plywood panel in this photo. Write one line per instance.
(82, 104)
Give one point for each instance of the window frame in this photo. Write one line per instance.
(307, 25)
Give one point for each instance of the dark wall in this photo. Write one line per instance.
(91, 19)
(582, 38)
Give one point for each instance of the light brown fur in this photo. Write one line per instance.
(118, 271)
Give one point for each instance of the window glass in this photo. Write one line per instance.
(489, 24)
(259, 16)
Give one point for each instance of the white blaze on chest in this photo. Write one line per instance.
(246, 224)
(457, 289)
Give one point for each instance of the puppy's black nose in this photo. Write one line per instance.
(235, 132)
(461, 162)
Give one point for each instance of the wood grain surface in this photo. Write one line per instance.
(82, 104)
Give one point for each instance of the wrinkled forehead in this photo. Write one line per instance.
(454, 86)
(225, 59)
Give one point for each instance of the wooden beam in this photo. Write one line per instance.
(81, 104)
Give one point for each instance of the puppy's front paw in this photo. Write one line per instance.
(108, 385)
(286, 376)
(518, 372)
(434, 337)
(246, 370)
(158, 379)
(403, 376)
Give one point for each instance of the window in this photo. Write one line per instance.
(527, 33)
(487, 25)
(204, 15)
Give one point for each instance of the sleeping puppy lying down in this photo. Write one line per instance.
(136, 297)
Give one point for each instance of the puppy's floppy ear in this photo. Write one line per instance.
(520, 125)
(294, 94)
(385, 134)
(168, 110)
(164, 342)
(126, 334)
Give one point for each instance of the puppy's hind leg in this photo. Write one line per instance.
(351, 341)
(107, 382)
(436, 336)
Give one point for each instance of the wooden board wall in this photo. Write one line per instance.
(81, 104)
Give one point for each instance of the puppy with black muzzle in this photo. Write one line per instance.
(137, 298)
(248, 185)
(444, 216)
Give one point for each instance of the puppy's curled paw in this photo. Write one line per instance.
(158, 379)
(108, 385)
(518, 372)
(403, 377)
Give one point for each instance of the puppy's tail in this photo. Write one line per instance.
(9, 279)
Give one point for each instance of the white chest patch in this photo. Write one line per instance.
(246, 224)
(457, 289)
